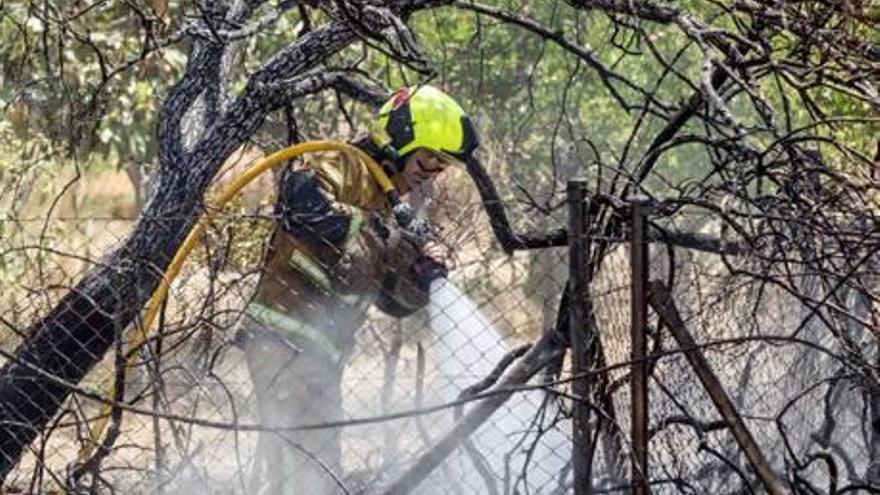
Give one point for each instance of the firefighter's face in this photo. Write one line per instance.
(421, 166)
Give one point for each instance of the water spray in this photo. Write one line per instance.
(466, 347)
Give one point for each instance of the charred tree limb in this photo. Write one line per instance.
(473, 452)
(651, 11)
(661, 301)
(512, 241)
(581, 337)
(343, 81)
(545, 351)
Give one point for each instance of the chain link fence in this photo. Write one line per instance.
(188, 419)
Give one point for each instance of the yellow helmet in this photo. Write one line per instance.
(425, 117)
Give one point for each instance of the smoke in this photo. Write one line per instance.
(461, 348)
(509, 452)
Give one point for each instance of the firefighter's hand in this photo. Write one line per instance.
(417, 232)
(427, 269)
(392, 233)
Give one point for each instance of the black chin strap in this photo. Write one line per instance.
(385, 156)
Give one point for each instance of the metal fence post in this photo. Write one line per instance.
(578, 313)
(639, 322)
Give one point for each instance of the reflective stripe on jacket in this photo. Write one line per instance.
(326, 264)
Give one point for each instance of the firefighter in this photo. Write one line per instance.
(338, 248)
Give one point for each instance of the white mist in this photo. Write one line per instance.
(466, 348)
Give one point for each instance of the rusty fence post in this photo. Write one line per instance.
(578, 313)
(638, 345)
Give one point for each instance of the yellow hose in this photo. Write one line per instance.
(229, 192)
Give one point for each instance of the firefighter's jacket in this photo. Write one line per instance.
(332, 256)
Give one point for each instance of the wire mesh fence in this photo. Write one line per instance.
(209, 408)
(190, 416)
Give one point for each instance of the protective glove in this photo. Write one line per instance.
(426, 269)
(414, 229)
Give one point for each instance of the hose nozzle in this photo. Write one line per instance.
(415, 230)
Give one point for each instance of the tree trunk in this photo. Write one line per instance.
(66, 343)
